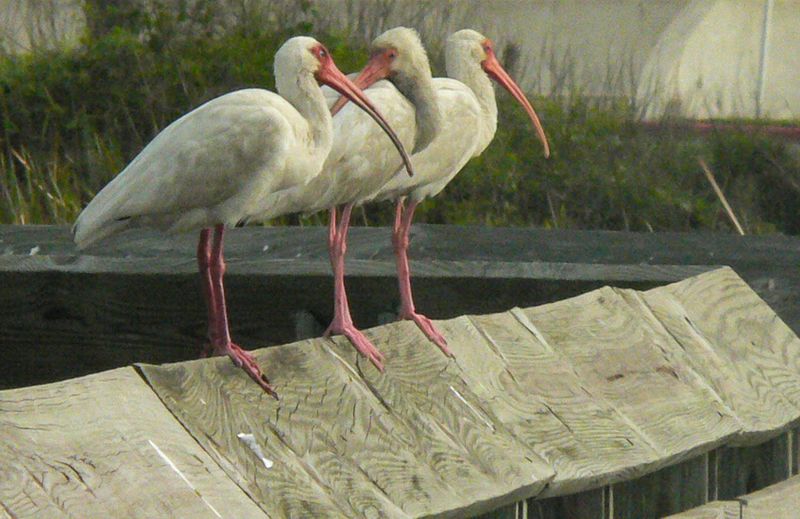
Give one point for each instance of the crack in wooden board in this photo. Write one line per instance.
(105, 446)
(401, 444)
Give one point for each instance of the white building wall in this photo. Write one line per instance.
(695, 58)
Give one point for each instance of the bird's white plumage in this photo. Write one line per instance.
(455, 143)
(361, 160)
(227, 160)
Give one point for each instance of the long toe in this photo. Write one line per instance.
(430, 331)
(360, 342)
(245, 360)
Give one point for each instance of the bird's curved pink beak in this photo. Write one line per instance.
(330, 75)
(496, 71)
(377, 68)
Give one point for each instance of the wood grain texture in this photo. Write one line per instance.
(567, 397)
(537, 394)
(734, 340)
(104, 446)
(632, 366)
(412, 442)
(778, 501)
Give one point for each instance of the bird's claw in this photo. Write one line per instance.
(243, 359)
(430, 331)
(360, 342)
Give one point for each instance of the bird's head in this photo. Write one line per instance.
(397, 55)
(466, 50)
(302, 55)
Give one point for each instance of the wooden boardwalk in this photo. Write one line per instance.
(540, 402)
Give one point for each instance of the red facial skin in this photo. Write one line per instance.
(330, 75)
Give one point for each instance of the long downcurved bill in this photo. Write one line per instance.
(496, 71)
(377, 68)
(333, 77)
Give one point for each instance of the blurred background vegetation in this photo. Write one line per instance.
(74, 115)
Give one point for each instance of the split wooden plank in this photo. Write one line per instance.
(737, 343)
(537, 395)
(634, 367)
(105, 446)
(411, 442)
(779, 501)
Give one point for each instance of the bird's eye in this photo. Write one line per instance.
(392, 54)
(322, 53)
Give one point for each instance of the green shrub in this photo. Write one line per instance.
(73, 117)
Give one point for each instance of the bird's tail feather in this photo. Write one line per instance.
(86, 233)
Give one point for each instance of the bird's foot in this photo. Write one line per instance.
(430, 331)
(244, 359)
(359, 341)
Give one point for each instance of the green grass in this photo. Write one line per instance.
(73, 117)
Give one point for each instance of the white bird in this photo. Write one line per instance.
(362, 160)
(235, 158)
(464, 106)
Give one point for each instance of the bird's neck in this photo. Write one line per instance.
(473, 76)
(303, 92)
(428, 115)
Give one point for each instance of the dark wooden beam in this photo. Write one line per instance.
(61, 307)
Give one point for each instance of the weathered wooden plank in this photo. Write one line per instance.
(779, 501)
(565, 397)
(395, 443)
(734, 340)
(105, 446)
(440, 241)
(539, 397)
(305, 436)
(620, 358)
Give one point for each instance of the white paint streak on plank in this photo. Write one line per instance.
(178, 472)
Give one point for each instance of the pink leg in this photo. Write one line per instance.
(204, 266)
(342, 323)
(402, 226)
(221, 336)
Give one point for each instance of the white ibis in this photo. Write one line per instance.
(362, 160)
(235, 158)
(465, 104)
